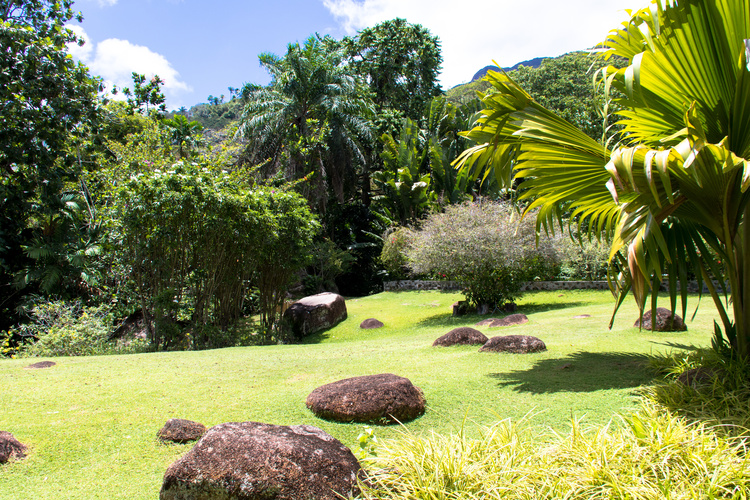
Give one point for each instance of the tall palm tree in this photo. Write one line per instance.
(672, 192)
(311, 118)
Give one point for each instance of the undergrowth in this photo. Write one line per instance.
(719, 397)
(655, 454)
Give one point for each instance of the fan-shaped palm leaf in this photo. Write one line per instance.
(675, 191)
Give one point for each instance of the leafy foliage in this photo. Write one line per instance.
(396, 241)
(46, 99)
(195, 240)
(582, 259)
(652, 455)
(673, 193)
(184, 135)
(309, 123)
(328, 262)
(403, 191)
(483, 247)
(401, 62)
(61, 328)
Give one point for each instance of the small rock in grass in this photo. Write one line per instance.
(179, 430)
(582, 316)
(513, 319)
(10, 448)
(517, 344)
(696, 377)
(461, 336)
(664, 321)
(41, 364)
(370, 324)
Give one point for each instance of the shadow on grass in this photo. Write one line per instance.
(675, 345)
(448, 320)
(315, 338)
(579, 372)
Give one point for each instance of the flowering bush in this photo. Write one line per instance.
(60, 328)
(487, 247)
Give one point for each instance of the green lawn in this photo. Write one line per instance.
(91, 423)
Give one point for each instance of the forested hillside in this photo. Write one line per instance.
(198, 218)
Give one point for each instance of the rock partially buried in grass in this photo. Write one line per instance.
(580, 316)
(516, 344)
(40, 365)
(513, 319)
(371, 324)
(179, 430)
(384, 398)
(461, 336)
(255, 461)
(10, 448)
(696, 377)
(664, 321)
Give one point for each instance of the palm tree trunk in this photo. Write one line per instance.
(741, 296)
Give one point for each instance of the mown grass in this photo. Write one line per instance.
(91, 423)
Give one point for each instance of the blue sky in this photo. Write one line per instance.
(200, 48)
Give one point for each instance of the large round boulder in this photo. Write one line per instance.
(10, 448)
(179, 430)
(517, 344)
(664, 322)
(315, 313)
(383, 398)
(255, 461)
(513, 319)
(461, 336)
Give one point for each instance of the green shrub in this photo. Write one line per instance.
(196, 239)
(393, 256)
(485, 246)
(582, 260)
(71, 329)
(652, 455)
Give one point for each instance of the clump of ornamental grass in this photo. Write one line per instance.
(654, 454)
(721, 397)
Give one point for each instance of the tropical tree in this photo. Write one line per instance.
(403, 189)
(401, 62)
(184, 135)
(311, 119)
(46, 102)
(672, 193)
(444, 144)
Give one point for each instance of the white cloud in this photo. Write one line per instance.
(115, 60)
(473, 33)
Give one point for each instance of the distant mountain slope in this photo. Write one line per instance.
(531, 63)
